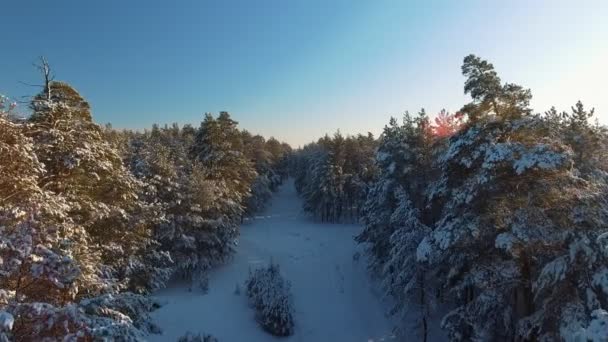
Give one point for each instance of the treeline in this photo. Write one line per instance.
(93, 219)
(493, 219)
(205, 181)
(332, 175)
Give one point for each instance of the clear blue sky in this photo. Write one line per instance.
(295, 69)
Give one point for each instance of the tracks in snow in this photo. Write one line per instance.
(333, 297)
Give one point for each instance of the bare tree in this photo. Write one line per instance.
(45, 69)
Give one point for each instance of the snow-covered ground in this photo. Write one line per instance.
(333, 296)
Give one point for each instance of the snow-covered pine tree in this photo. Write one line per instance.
(267, 179)
(218, 146)
(318, 191)
(396, 217)
(101, 193)
(360, 171)
(280, 156)
(38, 241)
(332, 176)
(447, 124)
(270, 295)
(46, 259)
(504, 220)
(175, 184)
(516, 227)
(200, 212)
(402, 159)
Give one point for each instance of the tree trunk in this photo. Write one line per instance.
(423, 307)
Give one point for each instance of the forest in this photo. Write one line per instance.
(93, 220)
(492, 219)
(490, 222)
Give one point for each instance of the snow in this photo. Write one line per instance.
(598, 329)
(6, 321)
(333, 297)
(424, 250)
(600, 279)
(540, 156)
(505, 241)
(553, 272)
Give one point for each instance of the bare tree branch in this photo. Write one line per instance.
(31, 85)
(45, 68)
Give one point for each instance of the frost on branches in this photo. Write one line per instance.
(93, 219)
(102, 195)
(48, 259)
(202, 180)
(270, 295)
(502, 219)
(509, 201)
(270, 161)
(396, 219)
(333, 175)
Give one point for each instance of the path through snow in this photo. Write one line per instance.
(333, 297)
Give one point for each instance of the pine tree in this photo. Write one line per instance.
(270, 295)
(508, 101)
(39, 243)
(333, 175)
(219, 148)
(36, 266)
(102, 195)
(446, 124)
(509, 201)
(502, 221)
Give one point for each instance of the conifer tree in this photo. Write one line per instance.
(44, 256)
(502, 219)
(82, 166)
(489, 96)
(332, 175)
(218, 146)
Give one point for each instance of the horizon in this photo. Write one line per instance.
(290, 67)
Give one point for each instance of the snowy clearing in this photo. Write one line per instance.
(333, 296)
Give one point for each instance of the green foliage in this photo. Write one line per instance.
(501, 218)
(270, 294)
(332, 175)
(88, 214)
(490, 97)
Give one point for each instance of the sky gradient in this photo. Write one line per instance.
(299, 69)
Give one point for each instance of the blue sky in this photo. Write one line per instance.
(297, 69)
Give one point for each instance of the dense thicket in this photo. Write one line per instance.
(205, 180)
(494, 215)
(333, 175)
(92, 219)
